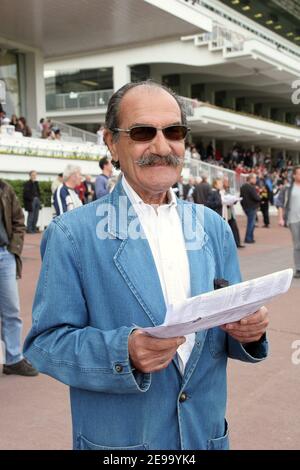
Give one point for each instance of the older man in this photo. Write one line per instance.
(65, 197)
(116, 263)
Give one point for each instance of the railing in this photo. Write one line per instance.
(214, 9)
(77, 100)
(190, 105)
(75, 132)
(31, 147)
(197, 168)
(223, 37)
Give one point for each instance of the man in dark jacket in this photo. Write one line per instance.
(250, 202)
(12, 230)
(32, 204)
(202, 191)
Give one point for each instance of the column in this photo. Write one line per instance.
(121, 75)
(35, 88)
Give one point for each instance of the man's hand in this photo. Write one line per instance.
(249, 329)
(148, 354)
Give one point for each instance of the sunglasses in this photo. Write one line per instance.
(147, 133)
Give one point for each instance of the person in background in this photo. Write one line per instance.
(32, 203)
(40, 126)
(57, 133)
(101, 185)
(65, 197)
(57, 182)
(264, 204)
(13, 120)
(89, 194)
(12, 231)
(23, 127)
(80, 190)
(181, 189)
(229, 213)
(250, 202)
(214, 200)
(289, 214)
(202, 191)
(100, 140)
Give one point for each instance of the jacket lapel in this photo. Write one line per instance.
(134, 258)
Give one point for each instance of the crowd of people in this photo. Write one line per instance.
(46, 127)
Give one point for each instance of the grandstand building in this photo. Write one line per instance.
(236, 63)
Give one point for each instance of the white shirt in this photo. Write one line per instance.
(162, 227)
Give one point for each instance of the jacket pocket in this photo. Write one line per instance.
(220, 443)
(217, 339)
(84, 444)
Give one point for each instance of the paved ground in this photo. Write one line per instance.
(263, 408)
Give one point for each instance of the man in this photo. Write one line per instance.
(250, 202)
(181, 189)
(32, 204)
(101, 185)
(202, 191)
(116, 263)
(12, 230)
(229, 212)
(65, 197)
(288, 203)
(56, 183)
(89, 194)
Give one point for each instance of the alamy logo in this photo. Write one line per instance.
(296, 94)
(296, 354)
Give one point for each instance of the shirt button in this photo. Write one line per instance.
(183, 397)
(118, 368)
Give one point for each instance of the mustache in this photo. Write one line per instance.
(152, 159)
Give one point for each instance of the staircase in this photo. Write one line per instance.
(74, 134)
(219, 40)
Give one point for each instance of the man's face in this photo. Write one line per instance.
(109, 168)
(155, 107)
(297, 176)
(75, 179)
(33, 176)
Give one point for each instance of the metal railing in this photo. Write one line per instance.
(190, 105)
(223, 37)
(197, 168)
(216, 10)
(75, 132)
(77, 100)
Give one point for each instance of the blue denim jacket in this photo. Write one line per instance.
(91, 291)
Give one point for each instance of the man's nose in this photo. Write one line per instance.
(160, 145)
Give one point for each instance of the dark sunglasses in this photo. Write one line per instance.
(147, 133)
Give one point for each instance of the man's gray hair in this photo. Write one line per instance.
(69, 171)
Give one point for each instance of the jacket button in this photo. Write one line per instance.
(183, 397)
(118, 368)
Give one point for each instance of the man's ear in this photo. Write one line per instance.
(108, 139)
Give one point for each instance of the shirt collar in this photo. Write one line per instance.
(136, 199)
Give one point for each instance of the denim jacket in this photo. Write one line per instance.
(95, 284)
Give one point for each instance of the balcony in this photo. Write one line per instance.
(78, 100)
